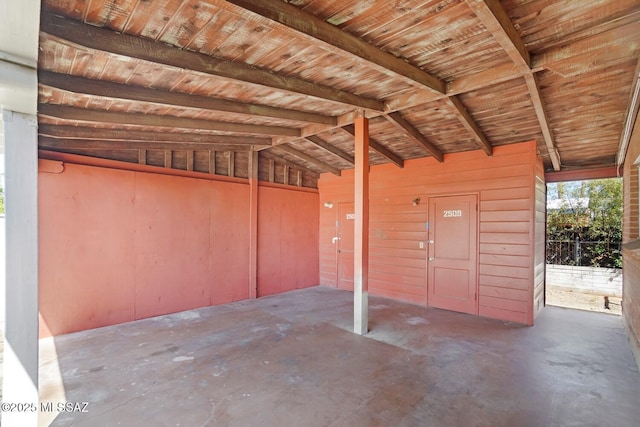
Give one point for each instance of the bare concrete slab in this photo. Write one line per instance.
(292, 360)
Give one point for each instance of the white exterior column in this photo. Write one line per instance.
(19, 30)
(20, 382)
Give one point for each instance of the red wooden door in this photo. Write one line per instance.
(452, 253)
(346, 221)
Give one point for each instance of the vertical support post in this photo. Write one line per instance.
(168, 158)
(142, 157)
(231, 169)
(212, 162)
(361, 232)
(21, 297)
(272, 170)
(253, 224)
(190, 156)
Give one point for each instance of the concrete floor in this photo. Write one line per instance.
(291, 360)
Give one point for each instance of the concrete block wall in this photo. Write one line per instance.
(592, 280)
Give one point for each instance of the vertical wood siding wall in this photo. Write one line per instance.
(505, 184)
(540, 233)
(119, 245)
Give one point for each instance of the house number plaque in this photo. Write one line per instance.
(452, 213)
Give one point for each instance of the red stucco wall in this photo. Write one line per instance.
(119, 245)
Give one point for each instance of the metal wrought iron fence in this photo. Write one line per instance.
(584, 253)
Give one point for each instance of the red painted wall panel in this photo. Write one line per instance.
(118, 245)
(505, 184)
(82, 281)
(288, 224)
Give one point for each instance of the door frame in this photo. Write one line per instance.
(431, 196)
(338, 237)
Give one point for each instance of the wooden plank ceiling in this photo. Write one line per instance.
(199, 84)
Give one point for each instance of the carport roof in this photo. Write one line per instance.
(287, 78)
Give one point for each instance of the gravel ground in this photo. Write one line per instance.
(589, 302)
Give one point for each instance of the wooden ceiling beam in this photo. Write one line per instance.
(84, 144)
(378, 147)
(158, 96)
(147, 50)
(543, 119)
(496, 20)
(303, 156)
(498, 23)
(622, 40)
(318, 29)
(140, 119)
(467, 121)
(330, 149)
(99, 134)
(401, 123)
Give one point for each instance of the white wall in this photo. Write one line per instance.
(591, 280)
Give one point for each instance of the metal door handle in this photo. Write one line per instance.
(431, 258)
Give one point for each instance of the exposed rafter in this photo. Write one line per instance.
(330, 148)
(135, 93)
(160, 53)
(333, 37)
(543, 119)
(98, 134)
(467, 121)
(495, 19)
(600, 49)
(140, 119)
(307, 158)
(401, 123)
(378, 148)
(493, 16)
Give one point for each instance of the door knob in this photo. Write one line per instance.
(431, 258)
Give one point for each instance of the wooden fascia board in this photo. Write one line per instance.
(582, 174)
(99, 134)
(158, 96)
(470, 124)
(401, 123)
(378, 147)
(304, 156)
(84, 144)
(141, 119)
(333, 37)
(330, 148)
(147, 50)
